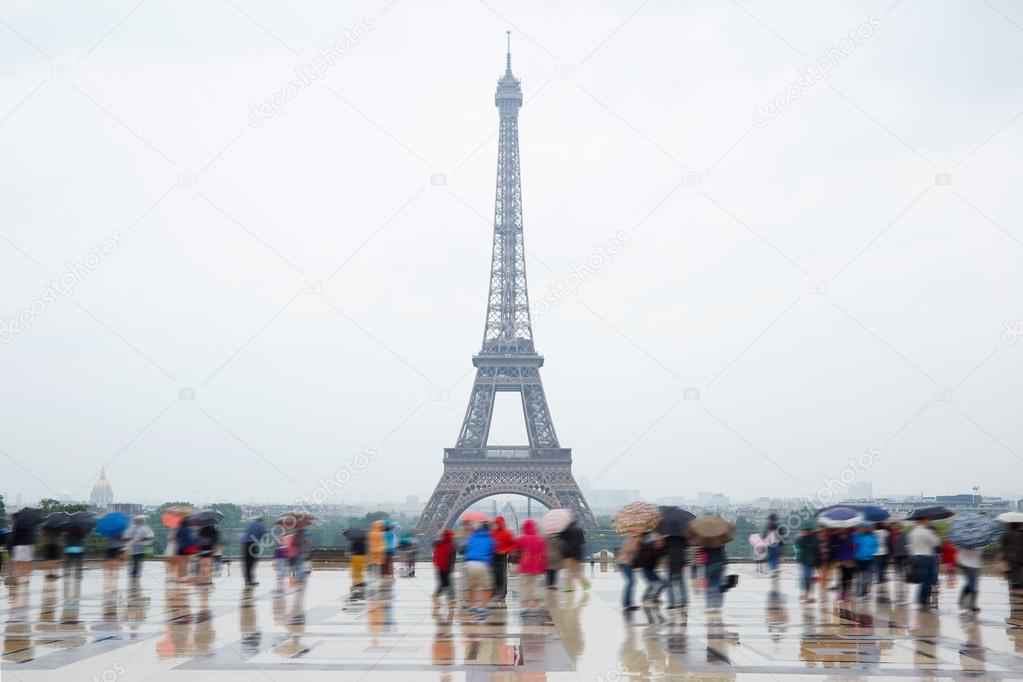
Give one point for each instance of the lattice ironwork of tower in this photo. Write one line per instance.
(509, 362)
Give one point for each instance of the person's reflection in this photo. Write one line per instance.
(293, 645)
(248, 616)
(203, 635)
(1014, 631)
(971, 654)
(571, 632)
(18, 646)
(48, 606)
(925, 637)
(777, 614)
(632, 659)
(136, 606)
(443, 650)
(719, 640)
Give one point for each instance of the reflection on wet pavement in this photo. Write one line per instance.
(106, 626)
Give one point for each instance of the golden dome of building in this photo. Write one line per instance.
(102, 494)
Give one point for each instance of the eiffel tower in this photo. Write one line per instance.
(508, 361)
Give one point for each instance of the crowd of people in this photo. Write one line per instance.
(845, 562)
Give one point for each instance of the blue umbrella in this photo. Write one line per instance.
(873, 513)
(973, 531)
(113, 525)
(839, 517)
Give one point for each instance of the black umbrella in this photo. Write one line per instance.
(56, 520)
(934, 513)
(206, 517)
(674, 521)
(27, 516)
(355, 534)
(81, 521)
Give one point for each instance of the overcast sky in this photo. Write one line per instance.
(840, 276)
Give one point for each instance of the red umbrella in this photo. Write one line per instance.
(475, 517)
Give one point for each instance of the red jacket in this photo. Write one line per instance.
(504, 539)
(444, 552)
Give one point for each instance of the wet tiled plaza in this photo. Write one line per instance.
(111, 630)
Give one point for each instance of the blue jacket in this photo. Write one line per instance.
(480, 547)
(254, 532)
(866, 546)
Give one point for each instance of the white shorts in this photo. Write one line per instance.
(477, 575)
(528, 586)
(22, 553)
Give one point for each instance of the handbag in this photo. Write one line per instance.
(731, 581)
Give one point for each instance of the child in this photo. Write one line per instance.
(444, 561)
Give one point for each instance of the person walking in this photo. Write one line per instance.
(807, 556)
(51, 551)
(390, 547)
(881, 556)
(479, 557)
(444, 563)
(532, 551)
(650, 553)
(775, 544)
(554, 559)
(897, 550)
(208, 538)
(715, 568)
(573, 540)
(138, 536)
(625, 558)
(74, 552)
(377, 550)
(186, 546)
(357, 548)
(864, 549)
(251, 539)
(843, 556)
(23, 540)
(923, 546)
(969, 561)
(1011, 546)
(676, 548)
(504, 544)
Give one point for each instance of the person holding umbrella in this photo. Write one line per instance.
(923, 545)
(1012, 554)
(672, 526)
(970, 534)
(77, 529)
(532, 552)
(52, 528)
(807, 555)
(251, 538)
(139, 536)
(626, 557)
(23, 540)
(572, 542)
(713, 533)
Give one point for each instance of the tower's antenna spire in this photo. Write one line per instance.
(509, 51)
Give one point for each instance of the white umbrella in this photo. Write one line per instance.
(1010, 517)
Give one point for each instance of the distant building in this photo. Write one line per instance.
(129, 508)
(861, 490)
(610, 501)
(102, 496)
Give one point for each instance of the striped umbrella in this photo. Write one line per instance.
(636, 518)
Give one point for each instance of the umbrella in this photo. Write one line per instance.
(973, 531)
(295, 520)
(710, 531)
(636, 518)
(932, 513)
(173, 516)
(839, 517)
(555, 521)
(355, 534)
(56, 520)
(873, 513)
(674, 521)
(206, 517)
(1010, 517)
(474, 517)
(82, 520)
(29, 516)
(113, 525)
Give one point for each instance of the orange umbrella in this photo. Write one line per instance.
(173, 516)
(475, 517)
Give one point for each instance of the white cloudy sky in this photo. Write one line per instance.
(105, 110)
